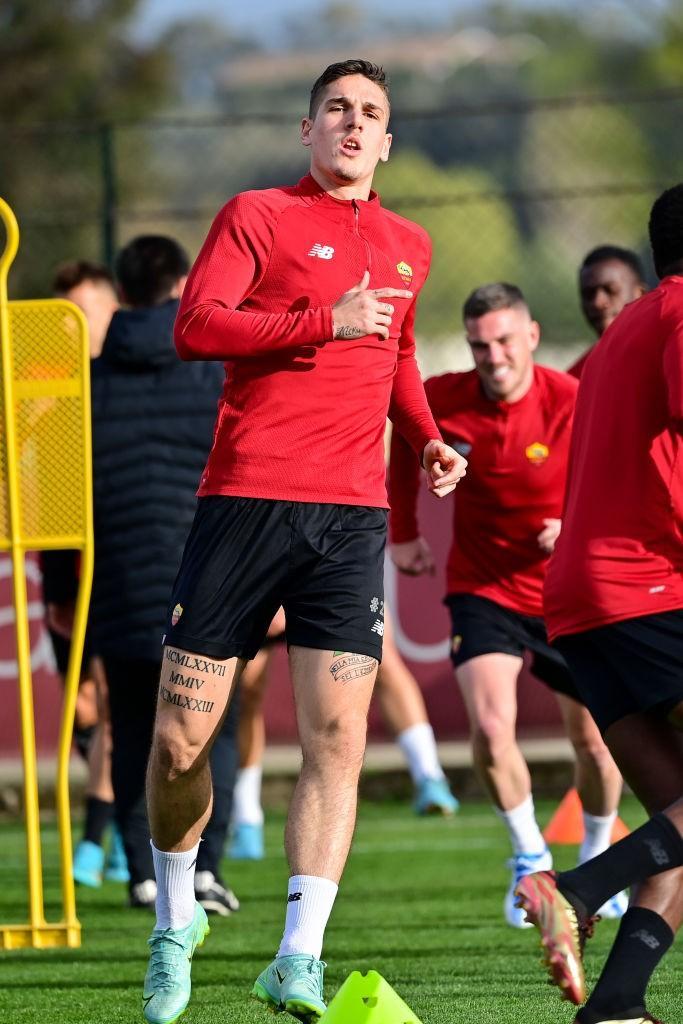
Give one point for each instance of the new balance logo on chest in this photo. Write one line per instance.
(323, 252)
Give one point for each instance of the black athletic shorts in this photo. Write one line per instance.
(481, 626)
(245, 557)
(629, 666)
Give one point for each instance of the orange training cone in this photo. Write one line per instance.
(566, 824)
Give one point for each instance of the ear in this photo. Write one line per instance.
(534, 335)
(179, 287)
(641, 290)
(386, 146)
(305, 133)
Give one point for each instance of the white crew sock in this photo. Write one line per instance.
(419, 748)
(309, 905)
(525, 835)
(598, 835)
(246, 808)
(175, 887)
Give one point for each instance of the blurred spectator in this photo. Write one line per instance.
(90, 286)
(153, 419)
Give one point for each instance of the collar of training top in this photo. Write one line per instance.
(310, 189)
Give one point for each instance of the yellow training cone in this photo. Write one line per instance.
(367, 999)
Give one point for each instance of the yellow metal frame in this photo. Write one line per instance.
(39, 933)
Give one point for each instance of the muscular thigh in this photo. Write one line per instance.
(194, 692)
(332, 692)
(649, 753)
(488, 684)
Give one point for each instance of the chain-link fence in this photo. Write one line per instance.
(516, 191)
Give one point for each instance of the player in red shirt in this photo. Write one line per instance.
(609, 278)
(512, 419)
(308, 293)
(614, 608)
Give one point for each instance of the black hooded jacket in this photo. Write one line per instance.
(153, 418)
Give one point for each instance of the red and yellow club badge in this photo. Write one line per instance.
(177, 612)
(405, 272)
(537, 453)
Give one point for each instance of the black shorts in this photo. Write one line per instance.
(245, 557)
(629, 666)
(481, 626)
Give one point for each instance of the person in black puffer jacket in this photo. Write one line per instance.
(153, 419)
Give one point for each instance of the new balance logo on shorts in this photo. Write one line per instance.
(323, 252)
(377, 627)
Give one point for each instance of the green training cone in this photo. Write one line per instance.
(367, 999)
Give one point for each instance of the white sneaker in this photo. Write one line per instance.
(523, 864)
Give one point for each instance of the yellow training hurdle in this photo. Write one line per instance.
(45, 503)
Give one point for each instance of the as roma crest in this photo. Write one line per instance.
(405, 272)
(537, 453)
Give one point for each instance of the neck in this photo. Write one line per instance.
(341, 189)
(518, 393)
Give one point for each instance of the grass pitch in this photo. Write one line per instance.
(421, 902)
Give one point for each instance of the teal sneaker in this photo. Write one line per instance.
(116, 864)
(293, 983)
(246, 843)
(167, 983)
(433, 796)
(88, 864)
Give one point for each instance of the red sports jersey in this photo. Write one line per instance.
(620, 553)
(302, 416)
(517, 454)
(577, 368)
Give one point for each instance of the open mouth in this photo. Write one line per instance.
(351, 146)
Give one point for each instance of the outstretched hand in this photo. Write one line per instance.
(443, 466)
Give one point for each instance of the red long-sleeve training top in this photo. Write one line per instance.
(517, 456)
(620, 553)
(302, 416)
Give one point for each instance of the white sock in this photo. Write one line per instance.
(419, 748)
(247, 808)
(175, 887)
(309, 905)
(525, 835)
(598, 835)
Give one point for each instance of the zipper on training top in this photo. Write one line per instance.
(356, 227)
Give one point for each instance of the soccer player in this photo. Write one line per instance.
(609, 278)
(614, 607)
(513, 420)
(308, 293)
(91, 287)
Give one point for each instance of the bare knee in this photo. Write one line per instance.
(492, 737)
(335, 745)
(174, 753)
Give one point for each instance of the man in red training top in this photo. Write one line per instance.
(513, 421)
(614, 608)
(308, 293)
(609, 278)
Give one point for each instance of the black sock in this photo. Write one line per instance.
(655, 847)
(642, 940)
(98, 814)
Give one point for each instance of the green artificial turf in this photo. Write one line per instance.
(420, 902)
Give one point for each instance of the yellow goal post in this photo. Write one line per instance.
(45, 503)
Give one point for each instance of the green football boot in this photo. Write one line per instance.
(167, 982)
(293, 983)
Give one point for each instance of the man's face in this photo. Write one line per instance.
(348, 135)
(502, 344)
(605, 288)
(98, 303)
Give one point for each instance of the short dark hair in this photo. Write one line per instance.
(353, 66)
(74, 272)
(603, 253)
(490, 297)
(149, 267)
(666, 231)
